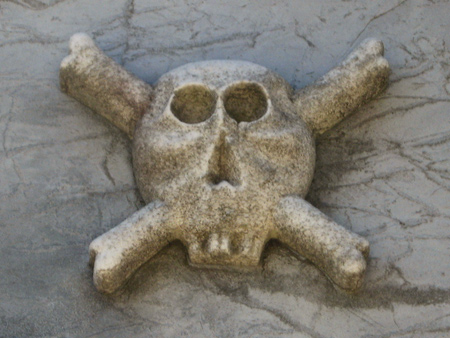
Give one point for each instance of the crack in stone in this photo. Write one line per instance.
(416, 329)
(246, 300)
(376, 17)
(402, 109)
(21, 149)
(34, 4)
(104, 165)
(195, 45)
(128, 15)
(36, 39)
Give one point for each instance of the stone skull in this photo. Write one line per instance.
(223, 155)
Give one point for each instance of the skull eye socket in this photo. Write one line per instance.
(193, 104)
(245, 102)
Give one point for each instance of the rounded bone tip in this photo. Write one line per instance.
(103, 282)
(67, 61)
(364, 247)
(353, 273)
(354, 267)
(80, 41)
(93, 251)
(373, 46)
(382, 63)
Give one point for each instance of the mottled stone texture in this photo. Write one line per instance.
(66, 174)
(220, 150)
(101, 84)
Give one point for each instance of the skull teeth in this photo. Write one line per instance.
(218, 245)
(225, 250)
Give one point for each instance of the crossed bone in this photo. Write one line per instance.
(224, 155)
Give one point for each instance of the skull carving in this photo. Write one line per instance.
(223, 155)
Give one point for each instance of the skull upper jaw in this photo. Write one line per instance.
(271, 152)
(260, 162)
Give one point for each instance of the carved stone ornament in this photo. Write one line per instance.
(223, 155)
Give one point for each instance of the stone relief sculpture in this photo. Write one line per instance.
(223, 155)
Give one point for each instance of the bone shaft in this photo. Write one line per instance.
(336, 251)
(98, 82)
(116, 254)
(361, 77)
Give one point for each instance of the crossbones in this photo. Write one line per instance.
(223, 155)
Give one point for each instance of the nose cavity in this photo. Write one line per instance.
(245, 101)
(223, 164)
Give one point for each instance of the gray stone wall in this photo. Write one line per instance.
(66, 177)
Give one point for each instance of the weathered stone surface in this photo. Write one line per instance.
(101, 84)
(66, 175)
(224, 156)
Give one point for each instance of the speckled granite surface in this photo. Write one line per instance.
(66, 177)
